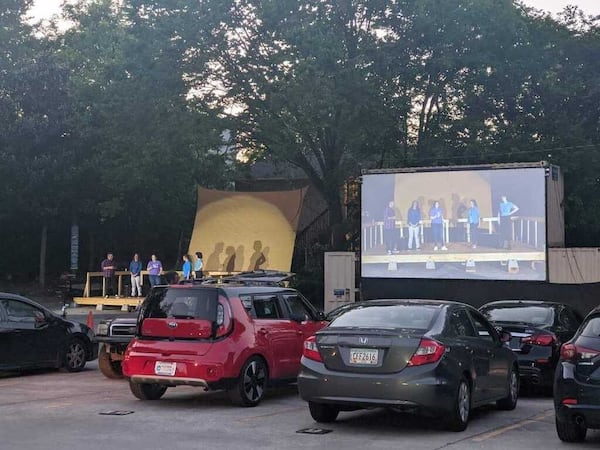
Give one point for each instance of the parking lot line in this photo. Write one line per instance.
(499, 431)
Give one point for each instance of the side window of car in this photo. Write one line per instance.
(266, 307)
(247, 303)
(297, 306)
(21, 312)
(484, 330)
(460, 324)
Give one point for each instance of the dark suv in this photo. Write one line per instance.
(231, 336)
(577, 382)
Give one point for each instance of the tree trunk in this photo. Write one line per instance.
(43, 248)
(336, 220)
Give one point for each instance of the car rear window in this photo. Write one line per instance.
(535, 315)
(181, 303)
(414, 317)
(591, 328)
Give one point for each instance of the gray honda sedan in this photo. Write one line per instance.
(428, 357)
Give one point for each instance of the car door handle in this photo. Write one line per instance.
(299, 332)
(469, 349)
(263, 331)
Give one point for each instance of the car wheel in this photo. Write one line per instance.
(147, 391)
(75, 355)
(250, 387)
(459, 416)
(322, 412)
(108, 367)
(509, 402)
(569, 431)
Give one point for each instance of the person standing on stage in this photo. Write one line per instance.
(389, 228)
(505, 211)
(135, 267)
(473, 217)
(436, 215)
(414, 225)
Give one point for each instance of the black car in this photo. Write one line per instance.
(423, 356)
(33, 337)
(577, 382)
(538, 329)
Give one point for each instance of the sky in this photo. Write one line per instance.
(45, 8)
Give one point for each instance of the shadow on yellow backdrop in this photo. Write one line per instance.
(238, 231)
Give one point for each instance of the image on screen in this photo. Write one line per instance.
(461, 224)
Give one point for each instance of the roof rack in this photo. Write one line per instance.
(251, 278)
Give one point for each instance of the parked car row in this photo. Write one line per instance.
(434, 358)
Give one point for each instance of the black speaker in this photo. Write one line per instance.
(494, 240)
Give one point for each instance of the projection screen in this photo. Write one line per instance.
(458, 224)
(246, 231)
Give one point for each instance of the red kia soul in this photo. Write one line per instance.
(222, 336)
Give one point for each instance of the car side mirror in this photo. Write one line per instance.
(297, 317)
(321, 316)
(505, 337)
(63, 310)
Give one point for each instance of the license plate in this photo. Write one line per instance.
(364, 356)
(164, 368)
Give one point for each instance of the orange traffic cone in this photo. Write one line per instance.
(90, 320)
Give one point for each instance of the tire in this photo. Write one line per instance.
(108, 367)
(509, 402)
(147, 391)
(250, 387)
(75, 355)
(459, 416)
(569, 431)
(322, 412)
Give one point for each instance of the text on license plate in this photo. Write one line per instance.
(164, 368)
(364, 356)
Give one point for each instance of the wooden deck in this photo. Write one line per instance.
(126, 303)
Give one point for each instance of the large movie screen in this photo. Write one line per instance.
(466, 224)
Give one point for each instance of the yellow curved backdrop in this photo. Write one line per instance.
(239, 231)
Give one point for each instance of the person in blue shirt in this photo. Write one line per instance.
(135, 267)
(505, 211)
(414, 225)
(187, 268)
(436, 215)
(473, 217)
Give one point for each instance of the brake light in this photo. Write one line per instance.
(569, 401)
(310, 350)
(429, 351)
(572, 352)
(543, 340)
(223, 322)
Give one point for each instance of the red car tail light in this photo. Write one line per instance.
(543, 340)
(572, 352)
(429, 351)
(569, 401)
(223, 322)
(310, 349)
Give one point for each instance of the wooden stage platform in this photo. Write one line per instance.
(126, 303)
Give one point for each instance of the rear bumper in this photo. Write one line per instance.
(415, 389)
(170, 381)
(535, 373)
(587, 396)
(201, 371)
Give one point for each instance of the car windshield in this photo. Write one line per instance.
(181, 303)
(535, 315)
(414, 317)
(592, 328)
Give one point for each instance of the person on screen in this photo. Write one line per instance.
(436, 215)
(414, 225)
(473, 217)
(505, 211)
(389, 228)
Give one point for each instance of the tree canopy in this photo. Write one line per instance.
(112, 122)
